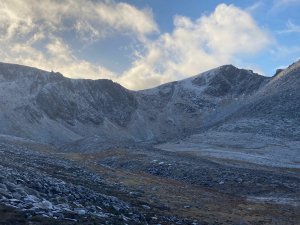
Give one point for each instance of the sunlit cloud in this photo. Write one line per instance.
(34, 34)
(290, 28)
(96, 19)
(256, 6)
(196, 46)
(281, 4)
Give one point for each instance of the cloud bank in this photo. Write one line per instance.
(35, 33)
(196, 46)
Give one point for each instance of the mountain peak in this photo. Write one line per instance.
(291, 73)
(232, 68)
(12, 72)
(84, 107)
(227, 66)
(228, 79)
(294, 66)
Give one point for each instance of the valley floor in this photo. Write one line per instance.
(146, 185)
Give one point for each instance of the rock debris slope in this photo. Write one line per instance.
(228, 136)
(262, 128)
(273, 111)
(47, 107)
(181, 108)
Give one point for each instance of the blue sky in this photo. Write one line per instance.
(141, 44)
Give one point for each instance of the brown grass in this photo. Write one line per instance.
(170, 197)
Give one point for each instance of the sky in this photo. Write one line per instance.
(144, 43)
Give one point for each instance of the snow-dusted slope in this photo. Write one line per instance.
(47, 107)
(262, 129)
(180, 108)
(273, 111)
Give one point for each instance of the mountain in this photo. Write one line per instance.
(274, 110)
(77, 151)
(180, 108)
(261, 128)
(48, 107)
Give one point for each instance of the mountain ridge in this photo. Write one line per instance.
(48, 107)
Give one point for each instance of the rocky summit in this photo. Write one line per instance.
(221, 147)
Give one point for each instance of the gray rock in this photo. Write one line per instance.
(5, 193)
(147, 207)
(3, 186)
(80, 211)
(43, 205)
(31, 199)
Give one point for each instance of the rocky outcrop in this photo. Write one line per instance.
(47, 107)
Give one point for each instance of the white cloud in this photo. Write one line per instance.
(89, 17)
(32, 32)
(279, 4)
(57, 57)
(196, 46)
(283, 52)
(254, 7)
(290, 28)
(286, 2)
